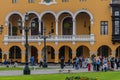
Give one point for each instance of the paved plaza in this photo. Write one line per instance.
(53, 70)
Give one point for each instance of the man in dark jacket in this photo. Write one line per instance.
(62, 62)
(117, 60)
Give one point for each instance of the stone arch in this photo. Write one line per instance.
(104, 51)
(11, 13)
(45, 12)
(64, 11)
(83, 51)
(50, 53)
(15, 53)
(32, 12)
(68, 21)
(34, 53)
(47, 19)
(86, 11)
(13, 28)
(66, 52)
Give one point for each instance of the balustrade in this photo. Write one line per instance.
(52, 38)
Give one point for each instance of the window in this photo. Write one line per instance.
(104, 27)
(117, 27)
(14, 1)
(116, 13)
(31, 1)
(65, 0)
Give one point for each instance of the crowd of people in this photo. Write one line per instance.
(9, 63)
(105, 63)
(97, 63)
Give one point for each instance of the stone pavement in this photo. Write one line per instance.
(52, 70)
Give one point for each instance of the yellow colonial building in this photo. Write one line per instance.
(79, 28)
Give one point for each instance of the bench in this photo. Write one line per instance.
(65, 70)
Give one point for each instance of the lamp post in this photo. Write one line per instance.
(45, 47)
(26, 70)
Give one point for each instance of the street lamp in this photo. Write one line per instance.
(26, 70)
(1, 29)
(45, 47)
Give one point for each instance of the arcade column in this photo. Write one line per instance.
(56, 57)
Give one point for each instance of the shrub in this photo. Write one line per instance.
(80, 78)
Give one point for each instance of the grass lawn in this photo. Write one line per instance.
(99, 75)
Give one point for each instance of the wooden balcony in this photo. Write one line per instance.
(115, 1)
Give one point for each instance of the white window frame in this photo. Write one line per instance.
(117, 13)
(117, 31)
(104, 27)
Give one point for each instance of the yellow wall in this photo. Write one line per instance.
(100, 9)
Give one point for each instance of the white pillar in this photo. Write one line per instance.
(56, 27)
(23, 32)
(40, 26)
(92, 39)
(74, 27)
(56, 37)
(23, 25)
(91, 21)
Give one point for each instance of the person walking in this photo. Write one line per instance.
(74, 59)
(69, 62)
(41, 62)
(94, 64)
(62, 62)
(105, 65)
(76, 63)
(98, 65)
(32, 60)
(112, 63)
(117, 61)
(88, 64)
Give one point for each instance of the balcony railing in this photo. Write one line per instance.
(52, 38)
(115, 1)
